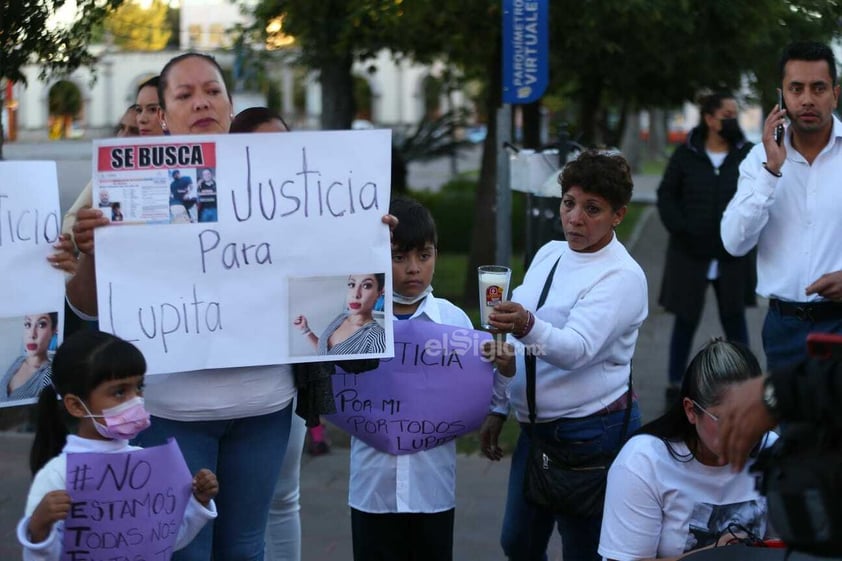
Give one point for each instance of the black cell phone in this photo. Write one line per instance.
(779, 130)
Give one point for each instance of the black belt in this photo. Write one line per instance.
(808, 311)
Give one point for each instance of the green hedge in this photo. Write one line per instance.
(453, 209)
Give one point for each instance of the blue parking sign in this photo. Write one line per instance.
(525, 50)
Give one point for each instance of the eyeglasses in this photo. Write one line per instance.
(705, 411)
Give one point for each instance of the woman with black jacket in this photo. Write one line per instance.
(699, 181)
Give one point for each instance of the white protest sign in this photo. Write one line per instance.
(30, 223)
(225, 242)
(32, 301)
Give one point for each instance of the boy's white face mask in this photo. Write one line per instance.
(408, 300)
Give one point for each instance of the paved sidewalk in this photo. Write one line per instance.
(481, 484)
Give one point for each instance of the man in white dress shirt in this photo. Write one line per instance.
(789, 204)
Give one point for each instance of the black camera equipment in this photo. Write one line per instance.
(801, 474)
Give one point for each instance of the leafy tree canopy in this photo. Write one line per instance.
(641, 53)
(27, 35)
(64, 99)
(136, 28)
(658, 53)
(330, 34)
(332, 28)
(606, 56)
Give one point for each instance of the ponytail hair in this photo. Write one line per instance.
(717, 366)
(82, 362)
(50, 429)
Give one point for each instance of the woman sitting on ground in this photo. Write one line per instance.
(670, 492)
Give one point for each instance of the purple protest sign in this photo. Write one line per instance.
(436, 388)
(125, 506)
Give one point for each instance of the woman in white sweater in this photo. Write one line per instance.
(583, 337)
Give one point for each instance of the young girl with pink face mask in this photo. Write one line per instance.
(97, 383)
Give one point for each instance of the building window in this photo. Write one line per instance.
(216, 36)
(195, 33)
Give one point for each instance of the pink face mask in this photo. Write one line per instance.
(124, 421)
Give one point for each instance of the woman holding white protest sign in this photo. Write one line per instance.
(234, 420)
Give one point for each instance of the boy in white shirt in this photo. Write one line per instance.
(402, 507)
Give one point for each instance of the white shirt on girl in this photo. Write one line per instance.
(53, 477)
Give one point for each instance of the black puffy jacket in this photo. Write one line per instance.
(693, 195)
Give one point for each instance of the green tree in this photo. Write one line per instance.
(64, 103)
(173, 22)
(330, 35)
(65, 99)
(138, 28)
(28, 37)
(430, 31)
(608, 58)
(622, 55)
(813, 20)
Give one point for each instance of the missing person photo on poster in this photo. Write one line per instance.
(27, 346)
(335, 315)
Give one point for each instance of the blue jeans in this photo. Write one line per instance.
(283, 530)
(785, 337)
(207, 215)
(526, 529)
(246, 456)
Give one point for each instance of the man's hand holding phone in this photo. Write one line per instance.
(773, 136)
(779, 130)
